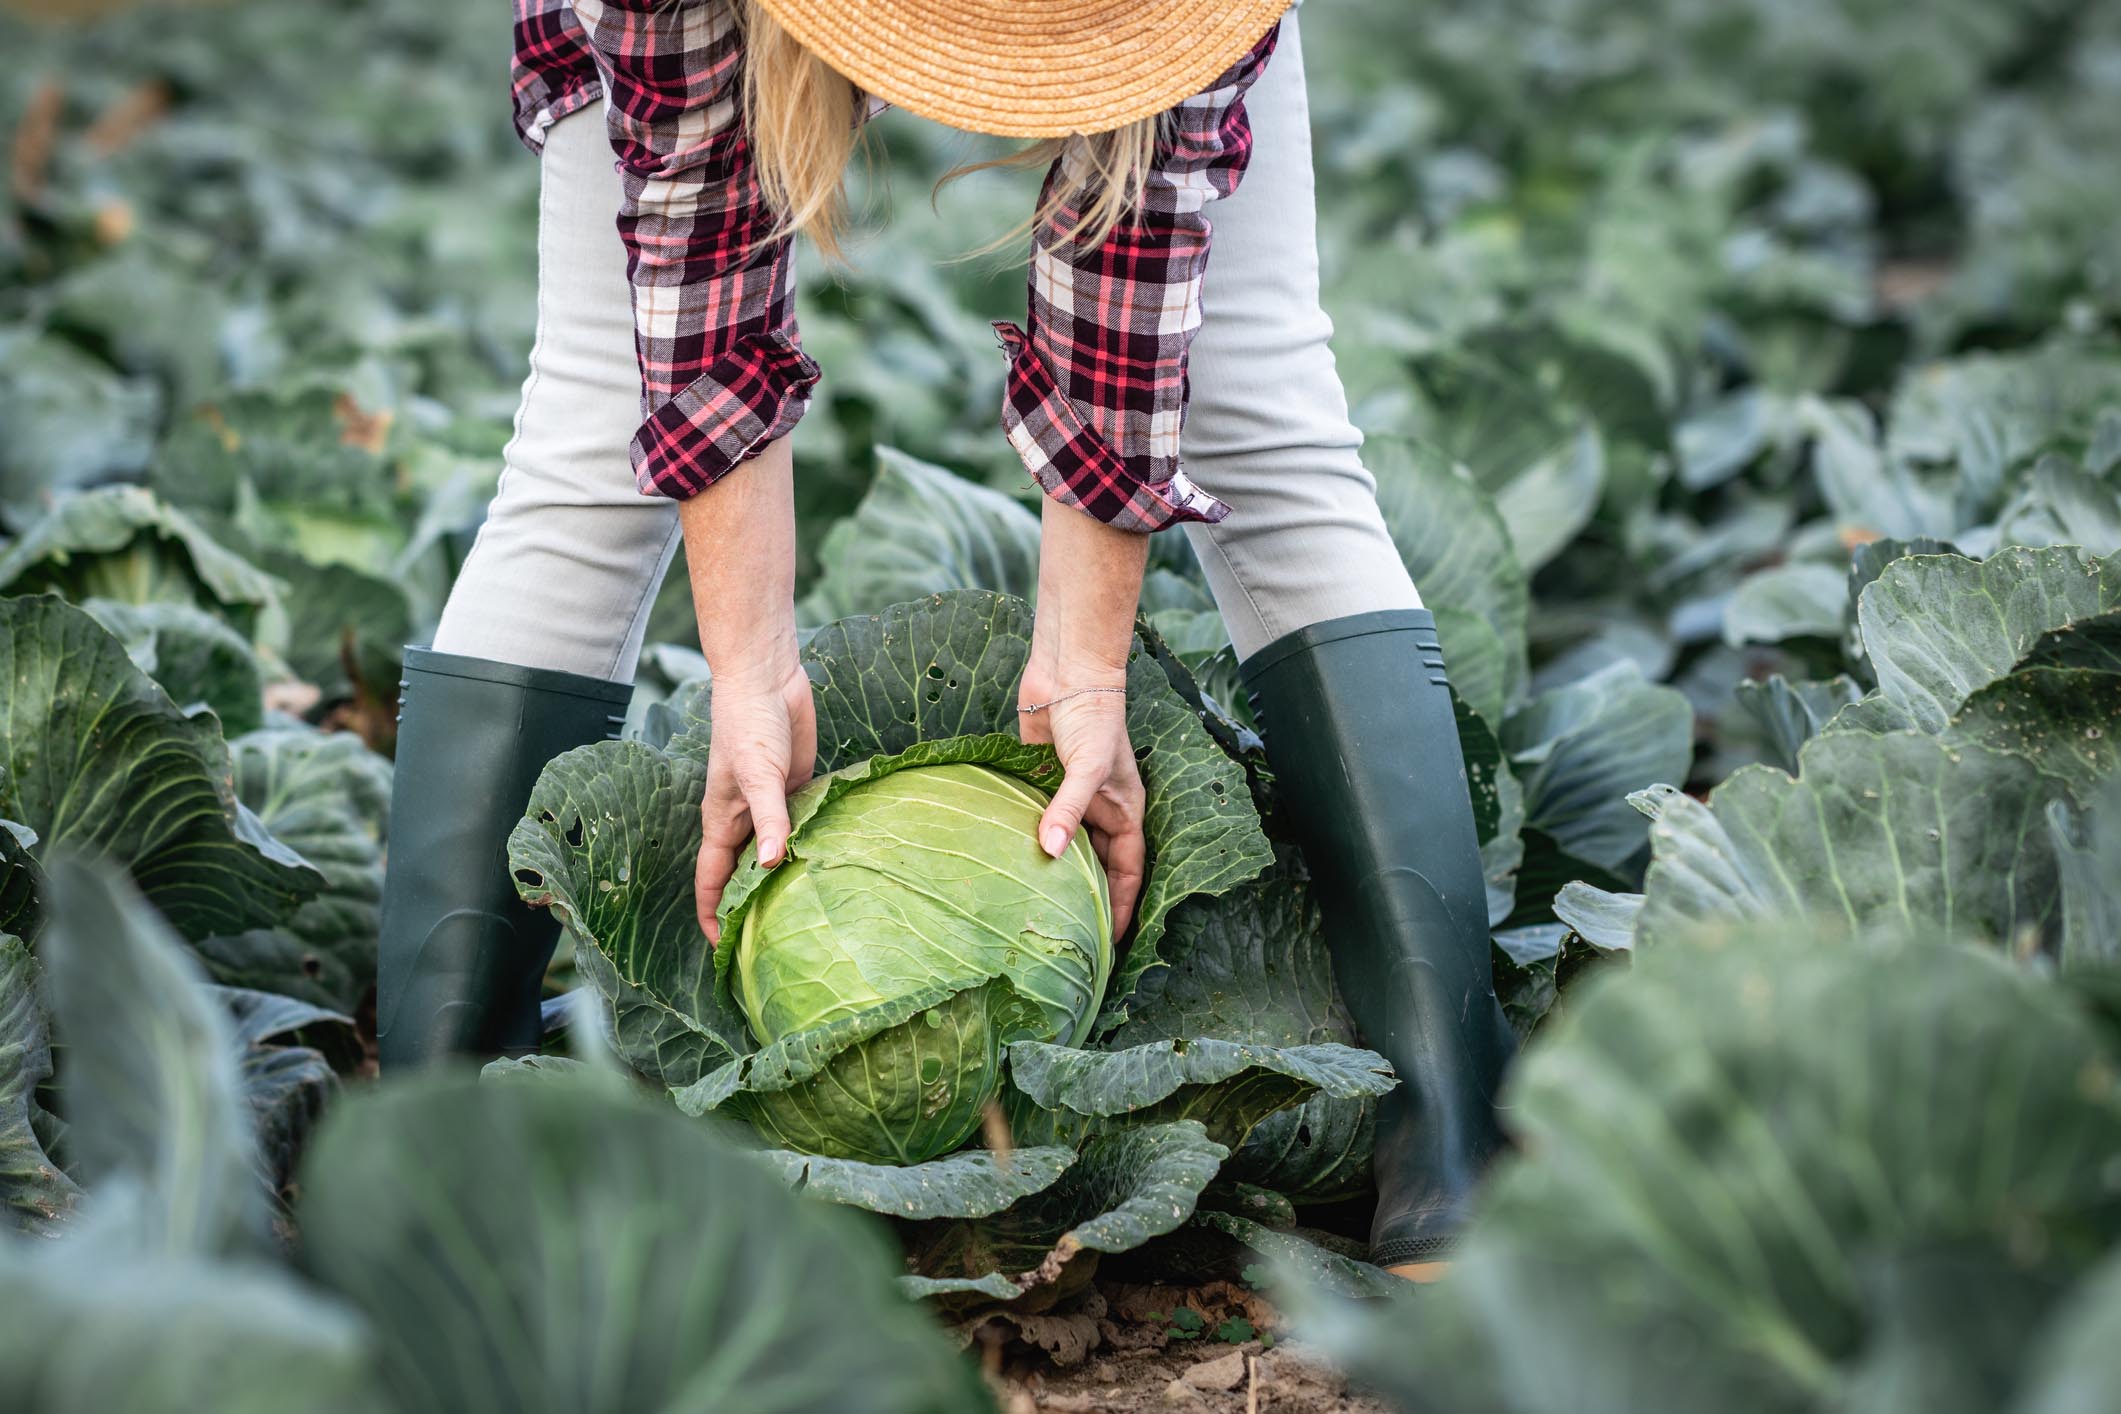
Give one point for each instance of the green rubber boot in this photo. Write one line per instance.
(1364, 745)
(462, 958)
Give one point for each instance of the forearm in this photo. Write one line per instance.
(1089, 582)
(740, 555)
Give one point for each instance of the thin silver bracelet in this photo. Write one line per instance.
(1081, 691)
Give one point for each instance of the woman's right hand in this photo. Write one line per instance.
(764, 750)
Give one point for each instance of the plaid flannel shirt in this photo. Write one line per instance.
(1096, 388)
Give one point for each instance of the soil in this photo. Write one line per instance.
(1124, 1348)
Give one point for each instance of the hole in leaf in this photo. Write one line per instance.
(1303, 1135)
(934, 696)
(312, 965)
(531, 877)
(935, 670)
(1178, 1046)
(547, 816)
(931, 1070)
(574, 833)
(1141, 753)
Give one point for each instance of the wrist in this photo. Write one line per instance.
(1063, 669)
(758, 660)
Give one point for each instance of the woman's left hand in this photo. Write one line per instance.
(1089, 580)
(1102, 788)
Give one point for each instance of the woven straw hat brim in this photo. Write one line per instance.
(1029, 68)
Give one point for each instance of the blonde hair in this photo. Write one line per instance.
(803, 118)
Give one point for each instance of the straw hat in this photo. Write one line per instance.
(1029, 68)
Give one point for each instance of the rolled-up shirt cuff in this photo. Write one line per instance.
(537, 113)
(1075, 465)
(754, 393)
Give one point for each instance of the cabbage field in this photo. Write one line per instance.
(1743, 383)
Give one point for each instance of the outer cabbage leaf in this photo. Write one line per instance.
(286, 1082)
(2061, 501)
(1293, 1258)
(610, 843)
(1873, 712)
(1707, 1193)
(1792, 713)
(1983, 414)
(922, 530)
(337, 614)
(1580, 749)
(2093, 643)
(1458, 551)
(174, 1336)
(1869, 560)
(2066, 721)
(2077, 1366)
(196, 657)
(974, 1183)
(21, 881)
(122, 543)
(98, 759)
(1227, 1086)
(1128, 1186)
(1604, 919)
(159, 1129)
(1498, 807)
(1252, 965)
(288, 1088)
(2088, 855)
(34, 1191)
(1945, 841)
(1795, 600)
(70, 418)
(326, 795)
(584, 1208)
(1958, 432)
(305, 444)
(1537, 456)
(537, 1070)
(1477, 659)
(1939, 628)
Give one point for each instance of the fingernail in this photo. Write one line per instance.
(1056, 840)
(769, 852)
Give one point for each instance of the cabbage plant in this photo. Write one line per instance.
(917, 957)
(461, 1245)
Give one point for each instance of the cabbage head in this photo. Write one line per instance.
(913, 933)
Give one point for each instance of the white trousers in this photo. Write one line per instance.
(569, 560)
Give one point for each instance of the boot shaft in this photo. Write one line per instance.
(461, 958)
(1363, 738)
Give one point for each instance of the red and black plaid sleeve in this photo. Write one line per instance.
(1096, 392)
(722, 373)
(552, 74)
